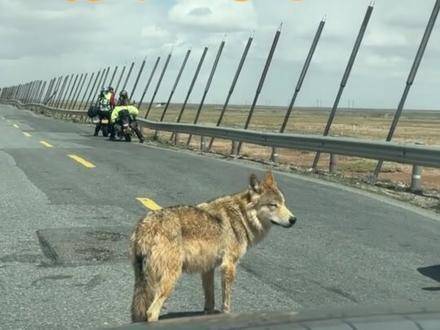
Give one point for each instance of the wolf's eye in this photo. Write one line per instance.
(273, 205)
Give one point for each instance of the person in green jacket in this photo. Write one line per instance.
(133, 112)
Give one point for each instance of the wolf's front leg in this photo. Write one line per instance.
(228, 277)
(208, 288)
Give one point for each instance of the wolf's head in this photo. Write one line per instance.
(269, 203)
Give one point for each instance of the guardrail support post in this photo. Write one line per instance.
(234, 149)
(416, 180)
(333, 163)
(203, 144)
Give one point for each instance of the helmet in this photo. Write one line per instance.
(110, 89)
(123, 94)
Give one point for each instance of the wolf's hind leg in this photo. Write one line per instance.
(142, 295)
(167, 268)
(208, 288)
(228, 277)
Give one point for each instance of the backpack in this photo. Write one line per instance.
(93, 111)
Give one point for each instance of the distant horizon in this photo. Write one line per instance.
(281, 107)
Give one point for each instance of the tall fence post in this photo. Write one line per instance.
(69, 105)
(37, 94)
(191, 86)
(345, 77)
(158, 84)
(61, 91)
(48, 91)
(93, 88)
(137, 79)
(120, 78)
(113, 75)
(69, 97)
(150, 78)
(410, 80)
(98, 88)
(176, 82)
(66, 91)
(78, 92)
(24, 92)
(31, 86)
(128, 76)
(105, 77)
(31, 89)
(58, 91)
(43, 88)
(54, 91)
(51, 91)
(300, 81)
(86, 90)
(261, 82)
(38, 90)
(28, 86)
(207, 87)
(35, 85)
(232, 88)
(175, 136)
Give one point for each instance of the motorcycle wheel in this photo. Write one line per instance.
(105, 130)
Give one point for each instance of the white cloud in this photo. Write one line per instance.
(154, 31)
(41, 39)
(215, 15)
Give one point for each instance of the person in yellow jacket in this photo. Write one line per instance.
(133, 112)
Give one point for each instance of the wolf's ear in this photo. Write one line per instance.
(254, 184)
(269, 180)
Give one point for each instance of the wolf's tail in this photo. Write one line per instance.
(141, 300)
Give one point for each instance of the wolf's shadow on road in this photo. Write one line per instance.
(433, 272)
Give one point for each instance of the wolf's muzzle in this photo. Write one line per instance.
(292, 221)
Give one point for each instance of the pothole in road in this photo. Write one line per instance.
(85, 245)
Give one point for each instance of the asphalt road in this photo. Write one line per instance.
(64, 229)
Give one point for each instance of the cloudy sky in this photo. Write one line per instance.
(41, 39)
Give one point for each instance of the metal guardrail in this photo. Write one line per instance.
(378, 150)
(387, 151)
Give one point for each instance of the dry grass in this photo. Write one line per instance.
(371, 124)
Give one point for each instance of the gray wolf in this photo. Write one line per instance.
(198, 239)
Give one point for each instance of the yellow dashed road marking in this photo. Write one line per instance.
(82, 161)
(46, 144)
(16, 126)
(149, 204)
(27, 134)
